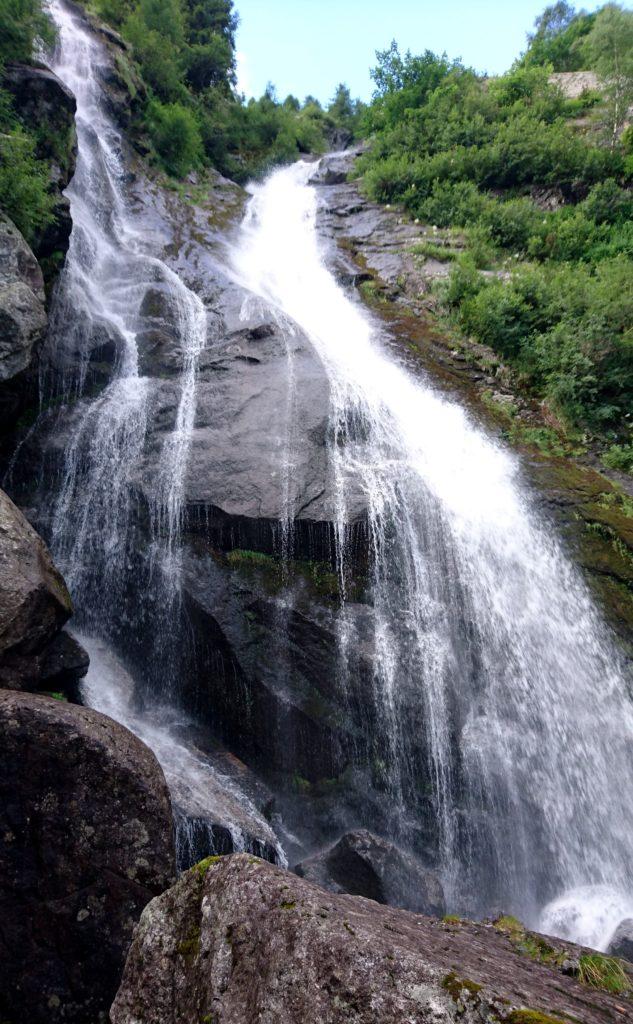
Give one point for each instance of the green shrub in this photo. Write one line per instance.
(619, 456)
(23, 23)
(24, 182)
(175, 134)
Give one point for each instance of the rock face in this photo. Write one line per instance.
(622, 941)
(363, 864)
(23, 317)
(85, 841)
(34, 603)
(237, 941)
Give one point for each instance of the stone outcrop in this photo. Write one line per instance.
(34, 605)
(363, 864)
(85, 842)
(23, 317)
(41, 98)
(621, 943)
(237, 941)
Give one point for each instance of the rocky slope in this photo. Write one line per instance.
(237, 940)
(86, 840)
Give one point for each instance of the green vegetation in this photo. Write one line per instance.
(524, 1016)
(24, 180)
(460, 988)
(542, 198)
(184, 51)
(604, 972)
(203, 866)
(23, 24)
(527, 943)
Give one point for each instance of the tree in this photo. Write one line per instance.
(610, 45)
(559, 37)
(554, 20)
(209, 64)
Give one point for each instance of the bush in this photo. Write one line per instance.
(619, 456)
(24, 181)
(176, 137)
(23, 23)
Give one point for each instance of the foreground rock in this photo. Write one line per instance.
(363, 864)
(85, 842)
(237, 940)
(34, 604)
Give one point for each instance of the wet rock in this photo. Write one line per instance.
(621, 943)
(23, 317)
(64, 665)
(237, 940)
(266, 667)
(363, 864)
(85, 842)
(34, 602)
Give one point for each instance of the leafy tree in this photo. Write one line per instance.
(610, 45)
(559, 37)
(208, 64)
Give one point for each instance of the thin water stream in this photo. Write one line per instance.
(109, 269)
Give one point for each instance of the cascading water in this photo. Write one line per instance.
(109, 270)
(501, 700)
(479, 618)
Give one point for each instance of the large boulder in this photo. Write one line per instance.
(237, 941)
(86, 840)
(23, 317)
(34, 603)
(363, 864)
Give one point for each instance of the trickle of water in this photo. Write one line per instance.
(480, 619)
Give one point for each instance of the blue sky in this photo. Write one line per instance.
(308, 46)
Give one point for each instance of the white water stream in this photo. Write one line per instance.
(478, 613)
(108, 271)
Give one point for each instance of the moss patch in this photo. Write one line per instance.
(203, 866)
(457, 987)
(529, 944)
(190, 947)
(533, 1017)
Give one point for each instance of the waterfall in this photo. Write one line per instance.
(499, 699)
(479, 618)
(109, 270)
